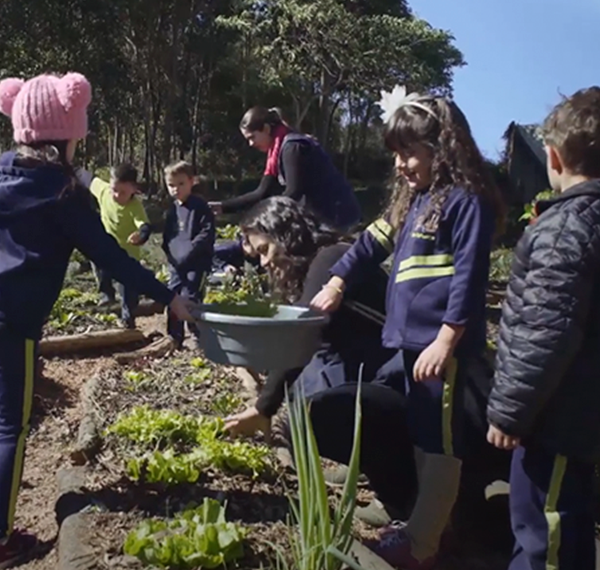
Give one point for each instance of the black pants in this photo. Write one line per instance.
(551, 507)
(129, 297)
(387, 457)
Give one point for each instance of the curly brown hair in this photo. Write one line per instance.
(457, 160)
(299, 233)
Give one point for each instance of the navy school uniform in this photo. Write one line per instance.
(351, 341)
(188, 242)
(39, 227)
(438, 277)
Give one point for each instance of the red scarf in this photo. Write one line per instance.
(278, 134)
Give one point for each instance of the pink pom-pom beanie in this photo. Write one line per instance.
(47, 108)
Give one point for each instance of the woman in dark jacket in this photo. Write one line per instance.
(298, 163)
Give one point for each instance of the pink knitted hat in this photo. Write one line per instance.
(47, 108)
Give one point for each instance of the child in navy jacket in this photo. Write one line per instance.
(188, 242)
(44, 214)
(439, 227)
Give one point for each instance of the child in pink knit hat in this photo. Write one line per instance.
(44, 215)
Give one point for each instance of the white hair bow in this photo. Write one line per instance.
(391, 102)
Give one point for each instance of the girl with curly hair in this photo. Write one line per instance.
(439, 226)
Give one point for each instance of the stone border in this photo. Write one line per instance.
(88, 439)
(73, 552)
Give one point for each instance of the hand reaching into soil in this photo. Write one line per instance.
(181, 308)
(248, 423)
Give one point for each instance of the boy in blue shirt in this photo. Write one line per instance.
(188, 242)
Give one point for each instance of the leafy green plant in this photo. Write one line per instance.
(323, 539)
(167, 467)
(198, 363)
(226, 404)
(198, 377)
(143, 425)
(243, 295)
(529, 210)
(197, 538)
(202, 435)
(228, 232)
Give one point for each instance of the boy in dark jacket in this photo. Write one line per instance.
(188, 242)
(545, 403)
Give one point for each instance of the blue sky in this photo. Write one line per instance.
(521, 55)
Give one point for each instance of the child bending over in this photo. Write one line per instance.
(546, 397)
(188, 242)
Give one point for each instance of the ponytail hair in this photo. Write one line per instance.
(43, 153)
(256, 118)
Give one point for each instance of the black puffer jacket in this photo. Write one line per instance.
(547, 383)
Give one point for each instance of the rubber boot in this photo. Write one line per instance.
(439, 481)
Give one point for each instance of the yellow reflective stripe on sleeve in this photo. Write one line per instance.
(382, 232)
(417, 260)
(424, 272)
(20, 451)
(448, 405)
(552, 514)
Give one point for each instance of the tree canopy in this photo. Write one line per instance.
(172, 78)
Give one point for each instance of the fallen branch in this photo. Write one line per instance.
(157, 349)
(69, 344)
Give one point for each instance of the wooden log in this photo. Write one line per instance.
(88, 438)
(157, 349)
(69, 344)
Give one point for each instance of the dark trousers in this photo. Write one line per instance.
(328, 370)
(387, 457)
(189, 286)
(17, 372)
(551, 508)
(129, 298)
(435, 409)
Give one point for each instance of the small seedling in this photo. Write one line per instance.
(226, 404)
(198, 362)
(198, 377)
(196, 538)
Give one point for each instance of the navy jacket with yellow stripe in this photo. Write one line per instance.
(438, 277)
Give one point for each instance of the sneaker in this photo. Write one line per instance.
(378, 514)
(336, 477)
(395, 547)
(17, 548)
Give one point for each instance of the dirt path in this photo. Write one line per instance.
(55, 422)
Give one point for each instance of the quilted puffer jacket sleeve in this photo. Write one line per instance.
(543, 319)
